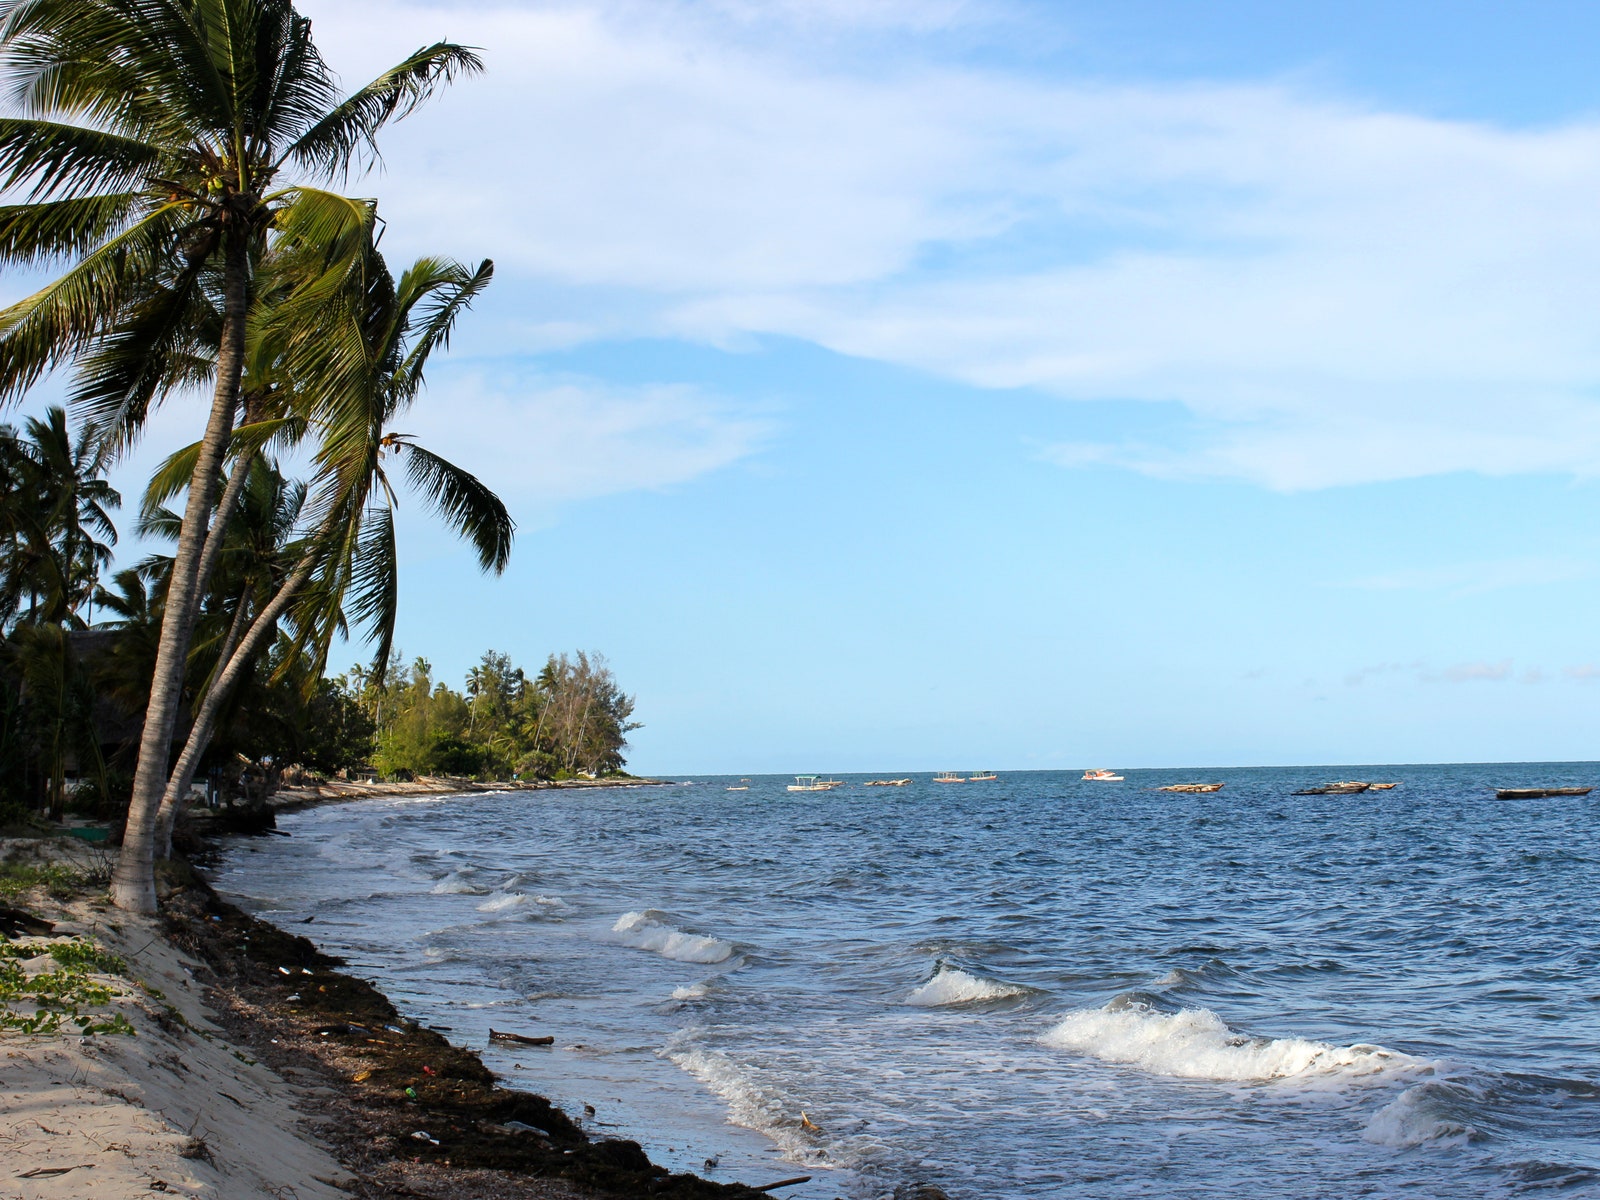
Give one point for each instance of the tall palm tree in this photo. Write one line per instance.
(157, 151)
(349, 560)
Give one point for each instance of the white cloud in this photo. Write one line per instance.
(1338, 294)
(541, 442)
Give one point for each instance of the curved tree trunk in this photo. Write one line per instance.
(230, 672)
(133, 883)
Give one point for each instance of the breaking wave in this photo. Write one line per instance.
(646, 931)
(1196, 1044)
(952, 985)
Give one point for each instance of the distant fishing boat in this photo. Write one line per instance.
(1381, 787)
(1539, 793)
(814, 783)
(1191, 787)
(1102, 776)
(1343, 788)
(742, 786)
(983, 777)
(949, 777)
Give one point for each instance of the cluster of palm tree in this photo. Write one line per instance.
(175, 157)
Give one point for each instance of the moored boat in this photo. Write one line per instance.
(1347, 787)
(1191, 787)
(814, 783)
(1539, 793)
(983, 777)
(1102, 776)
(949, 777)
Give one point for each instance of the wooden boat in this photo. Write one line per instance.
(1191, 787)
(1102, 776)
(1381, 787)
(742, 786)
(886, 783)
(983, 777)
(1539, 793)
(814, 783)
(1345, 788)
(949, 777)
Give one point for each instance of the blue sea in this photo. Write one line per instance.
(1033, 987)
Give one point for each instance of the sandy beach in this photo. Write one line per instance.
(256, 1069)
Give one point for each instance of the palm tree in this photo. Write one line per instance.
(152, 151)
(56, 507)
(349, 559)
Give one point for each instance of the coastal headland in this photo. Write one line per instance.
(254, 1067)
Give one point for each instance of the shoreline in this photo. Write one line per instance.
(340, 791)
(258, 1065)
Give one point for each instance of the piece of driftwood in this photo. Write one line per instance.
(767, 1187)
(499, 1035)
(14, 921)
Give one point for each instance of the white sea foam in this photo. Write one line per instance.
(1196, 1044)
(694, 991)
(761, 1104)
(952, 985)
(646, 931)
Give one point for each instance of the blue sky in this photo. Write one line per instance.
(921, 384)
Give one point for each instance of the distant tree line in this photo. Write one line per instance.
(570, 719)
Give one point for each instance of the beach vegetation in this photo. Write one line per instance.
(61, 996)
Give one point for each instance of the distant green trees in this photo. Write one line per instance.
(571, 719)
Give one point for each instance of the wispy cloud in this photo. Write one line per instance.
(544, 441)
(1483, 576)
(1336, 293)
(1583, 673)
(1478, 672)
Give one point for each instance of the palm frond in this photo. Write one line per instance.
(348, 133)
(464, 503)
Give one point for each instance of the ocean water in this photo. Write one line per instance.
(1036, 987)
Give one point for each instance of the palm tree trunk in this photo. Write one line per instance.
(133, 884)
(205, 719)
(219, 530)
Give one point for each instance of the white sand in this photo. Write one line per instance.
(130, 1114)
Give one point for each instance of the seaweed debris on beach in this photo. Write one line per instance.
(416, 1115)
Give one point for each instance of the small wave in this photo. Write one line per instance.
(693, 991)
(503, 901)
(952, 985)
(1196, 1044)
(646, 931)
(459, 883)
(1434, 1112)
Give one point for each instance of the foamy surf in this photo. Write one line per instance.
(952, 985)
(646, 931)
(764, 1107)
(1196, 1044)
